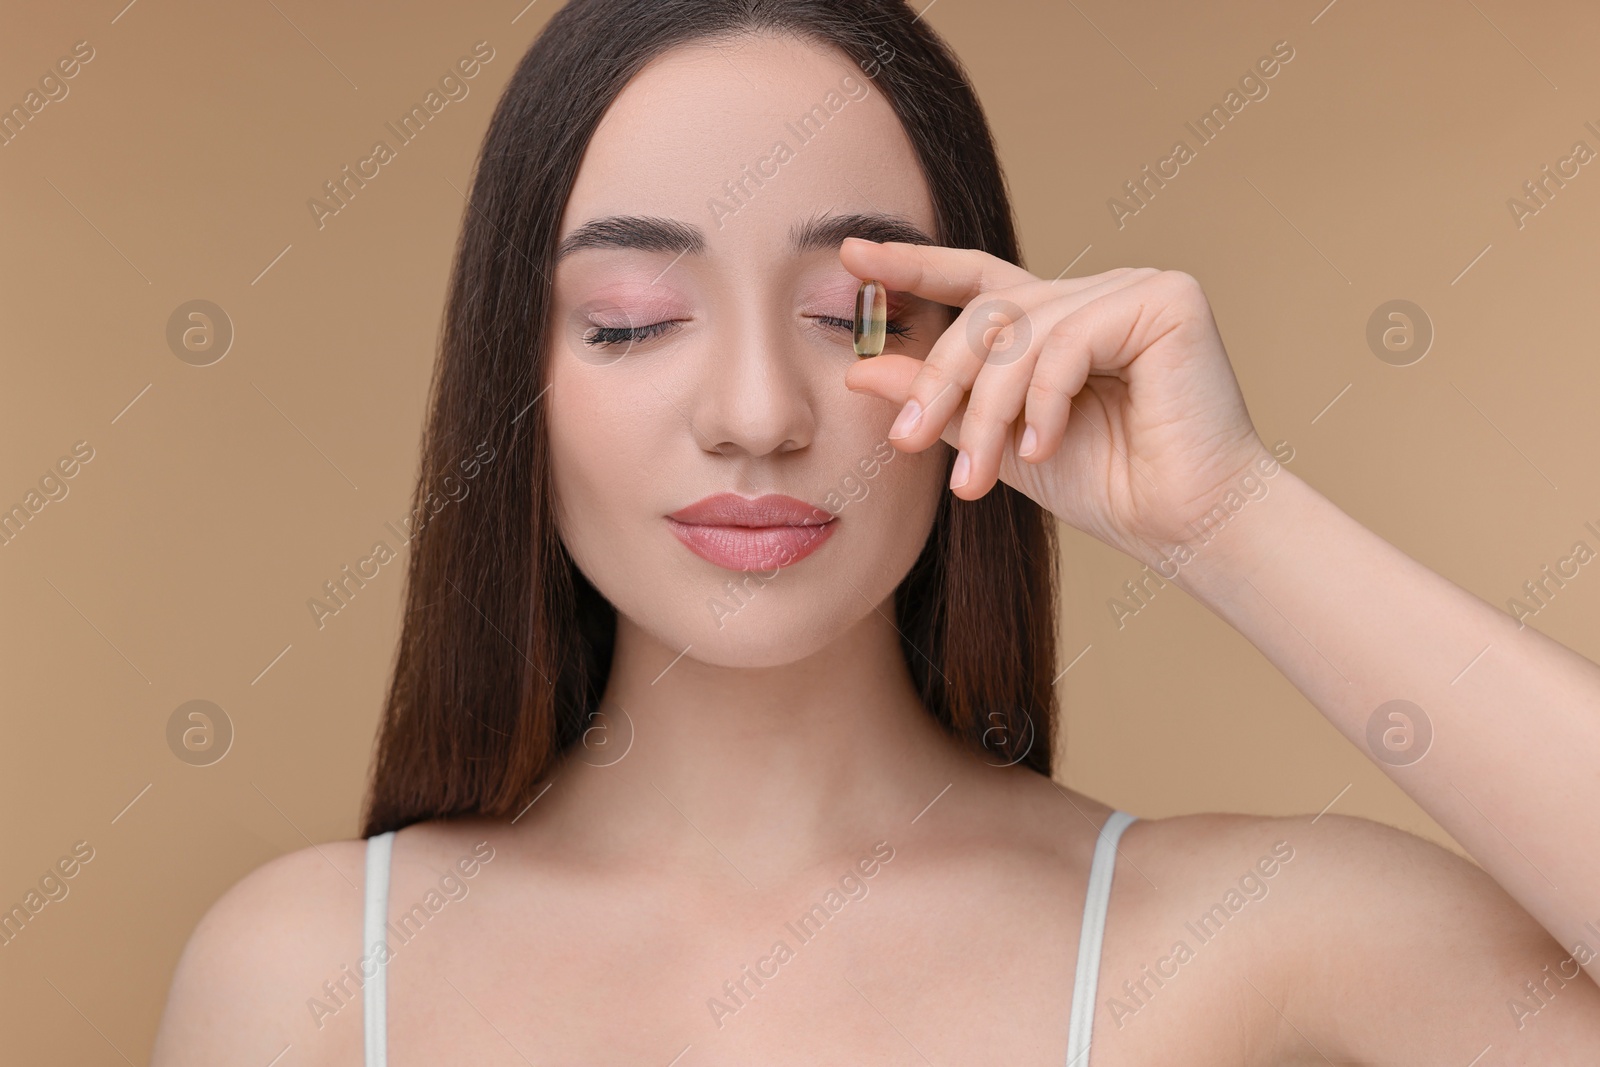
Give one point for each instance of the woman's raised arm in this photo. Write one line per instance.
(1109, 400)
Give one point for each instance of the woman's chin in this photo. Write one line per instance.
(750, 639)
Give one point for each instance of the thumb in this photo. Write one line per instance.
(890, 376)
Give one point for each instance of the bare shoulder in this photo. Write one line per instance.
(243, 988)
(1344, 938)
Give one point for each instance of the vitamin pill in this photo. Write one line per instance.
(872, 316)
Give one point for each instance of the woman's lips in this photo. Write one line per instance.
(751, 535)
(751, 548)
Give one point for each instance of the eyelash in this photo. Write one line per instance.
(605, 336)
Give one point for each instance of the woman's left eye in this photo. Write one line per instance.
(607, 336)
(892, 327)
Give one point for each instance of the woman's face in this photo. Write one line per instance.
(696, 350)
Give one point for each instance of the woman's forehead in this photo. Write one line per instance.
(743, 142)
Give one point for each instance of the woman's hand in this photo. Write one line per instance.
(1107, 399)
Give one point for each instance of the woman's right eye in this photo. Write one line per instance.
(604, 336)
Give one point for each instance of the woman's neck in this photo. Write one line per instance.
(777, 767)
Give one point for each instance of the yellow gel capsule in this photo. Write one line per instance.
(872, 316)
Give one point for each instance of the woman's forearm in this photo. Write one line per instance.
(1512, 769)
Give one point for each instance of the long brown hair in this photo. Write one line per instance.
(506, 647)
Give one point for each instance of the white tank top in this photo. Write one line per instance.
(1079, 1023)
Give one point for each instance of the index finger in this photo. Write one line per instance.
(951, 276)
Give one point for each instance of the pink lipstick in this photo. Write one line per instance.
(752, 535)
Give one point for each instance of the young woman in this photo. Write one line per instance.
(721, 728)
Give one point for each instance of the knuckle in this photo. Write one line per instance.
(929, 380)
(1064, 330)
(1182, 282)
(977, 418)
(1043, 390)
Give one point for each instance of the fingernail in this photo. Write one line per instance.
(906, 421)
(959, 472)
(1030, 441)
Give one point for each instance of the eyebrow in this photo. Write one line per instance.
(654, 234)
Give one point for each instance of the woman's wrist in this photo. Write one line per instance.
(1268, 508)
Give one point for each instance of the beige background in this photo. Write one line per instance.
(179, 565)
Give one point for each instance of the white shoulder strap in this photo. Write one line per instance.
(375, 919)
(1095, 899)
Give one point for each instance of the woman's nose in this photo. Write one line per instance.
(754, 394)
